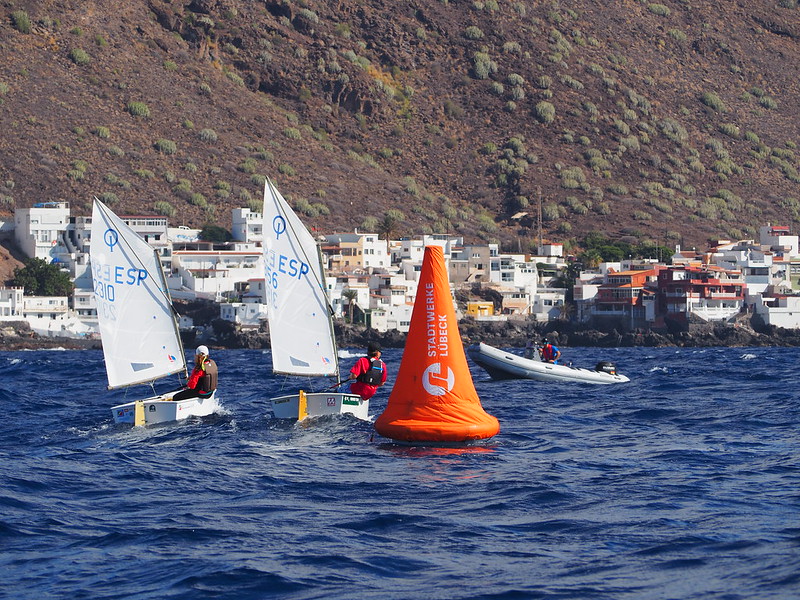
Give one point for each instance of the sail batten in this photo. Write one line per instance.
(141, 342)
(300, 327)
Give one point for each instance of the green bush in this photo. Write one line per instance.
(730, 129)
(711, 100)
(473, 33)
(79, 57)
(248, 165)
(164, 208)
(658, 9)
(286, 169)
(102, 132)
(483, 65)
(235, 77)
(768, 102)
(550, 212)
(20, 21)
(197, 199)
(677, 35)
(545, 112)
(571, 82)
(673, 130)
(109, 198)
(208, 135)
(138, 109)
(166, 146)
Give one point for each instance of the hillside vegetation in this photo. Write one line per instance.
(668, 122)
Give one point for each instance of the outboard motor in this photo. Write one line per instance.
(605, 366)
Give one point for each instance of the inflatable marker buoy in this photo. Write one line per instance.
(433, 398)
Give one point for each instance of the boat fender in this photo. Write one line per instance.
(605, 366)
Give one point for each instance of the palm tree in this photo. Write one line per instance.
(351, 296)
(389, 224)
(565, 311)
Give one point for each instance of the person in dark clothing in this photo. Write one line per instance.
(203, 380)
(369, 373)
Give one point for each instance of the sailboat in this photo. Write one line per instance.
(138, 328)
(434, 399)
(299, 314)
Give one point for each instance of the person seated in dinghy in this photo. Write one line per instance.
(549, 352)
(369, 373)
(203, 380)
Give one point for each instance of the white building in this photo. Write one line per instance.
(778, 239)
(395, 317)
(12, 302)
(375, 255)
(46, 314)
(754, 264)
(414, 249)
(247, 314)
(247, 226)
(780, 311)
(213, 274)
(37, 230)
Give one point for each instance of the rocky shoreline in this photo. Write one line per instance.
(507, 334)
(516, 333)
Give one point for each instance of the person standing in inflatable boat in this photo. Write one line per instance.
(369, 373)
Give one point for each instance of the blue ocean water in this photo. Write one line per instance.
(681, 484)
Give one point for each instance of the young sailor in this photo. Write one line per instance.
(369, 373)
(203, 380)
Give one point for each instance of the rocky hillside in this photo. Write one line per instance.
(670, 122)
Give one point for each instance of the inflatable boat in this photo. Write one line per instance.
(505, 365)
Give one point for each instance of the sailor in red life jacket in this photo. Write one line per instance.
(369, 373)
(203, 380)
(549, 353)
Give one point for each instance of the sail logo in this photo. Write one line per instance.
(111, 238)
(278, 226)
(435, 383)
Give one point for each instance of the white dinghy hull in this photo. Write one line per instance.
(505, 365)
(160, 409)
(319, 404)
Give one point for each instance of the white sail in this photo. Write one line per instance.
(300, 328)
(140, 335)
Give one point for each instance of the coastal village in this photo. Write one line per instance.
(373, 281)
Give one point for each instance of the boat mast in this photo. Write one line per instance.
(330, 311)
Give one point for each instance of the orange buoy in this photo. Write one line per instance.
(434, 398)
